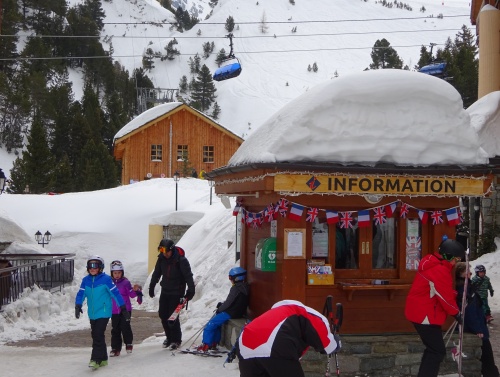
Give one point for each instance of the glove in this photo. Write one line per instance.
(151, 292)
(459, 319)
(139, 297)
(78, 310)
(339, 343)
(189, 295)
(219, 305)
(491, 293)
(125, 313)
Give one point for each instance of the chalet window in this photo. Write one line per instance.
(182, 153)
(384, 245)
(156, 152)
(208, 153)
(346, 246)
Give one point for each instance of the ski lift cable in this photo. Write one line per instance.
(241, 52)
(239, 37)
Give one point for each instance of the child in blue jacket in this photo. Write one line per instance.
(99, 290)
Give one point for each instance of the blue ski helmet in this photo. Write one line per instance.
(237, 273)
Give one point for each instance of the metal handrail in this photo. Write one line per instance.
(48, 271)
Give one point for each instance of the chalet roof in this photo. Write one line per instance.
(159, 112)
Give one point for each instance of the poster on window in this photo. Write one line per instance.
(413, 244)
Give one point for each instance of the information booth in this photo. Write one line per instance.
(355, 234)
(356, 180)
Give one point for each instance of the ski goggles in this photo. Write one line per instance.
(163, 249)
(451, 258)
(94, 265)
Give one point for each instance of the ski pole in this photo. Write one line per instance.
(195, 336)
(464, 304)
(338, 322)
(328, 313)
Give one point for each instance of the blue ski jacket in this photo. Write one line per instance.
(99, 291)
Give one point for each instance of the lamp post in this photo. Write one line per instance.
(177, 176)
(43, 239)
(2, 181)
(212, 184)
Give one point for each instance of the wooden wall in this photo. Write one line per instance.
(187, 129)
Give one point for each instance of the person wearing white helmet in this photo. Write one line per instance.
(99, 290)
(121, 328)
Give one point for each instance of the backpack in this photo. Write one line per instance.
(181, 251)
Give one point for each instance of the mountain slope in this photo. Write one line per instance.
(337, 35)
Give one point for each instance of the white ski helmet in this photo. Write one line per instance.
(95, 258)
(116, 265)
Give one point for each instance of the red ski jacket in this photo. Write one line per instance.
(286, 332)
(431, 297)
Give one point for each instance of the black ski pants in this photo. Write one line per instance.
(168, 303)
(98, 330)
(435, 349)
(488, 367)
(120, 327)
(269, 367)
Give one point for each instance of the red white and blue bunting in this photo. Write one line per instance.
(379, 214)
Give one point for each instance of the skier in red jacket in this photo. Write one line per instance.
(272, 344)
(431, 299)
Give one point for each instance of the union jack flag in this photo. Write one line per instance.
(257, 221)
(346, 220)
(460, 215)
(269, 213)
(404, 210)
(312, 213)
(379, 216)
(282, 207)
(437, 217)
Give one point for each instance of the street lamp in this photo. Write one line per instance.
(2, 181)
(177, 176)
(212, 184)
(43, 239)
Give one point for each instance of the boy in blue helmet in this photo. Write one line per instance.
(235, 306)
(99, 290)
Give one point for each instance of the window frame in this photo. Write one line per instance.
(208, 154)
(155, 152)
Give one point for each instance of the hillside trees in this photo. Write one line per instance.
(384, 56)
(229, 26)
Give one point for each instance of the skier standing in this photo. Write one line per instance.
(235, 306)
(475, 320)
(483, 285)
(99, 290)
(273, 343)
(175, 273)
(120, 326)
(431, 299)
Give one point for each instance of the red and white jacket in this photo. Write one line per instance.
(432, 297)
(286, 331)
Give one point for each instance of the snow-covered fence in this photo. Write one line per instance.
(20, 271)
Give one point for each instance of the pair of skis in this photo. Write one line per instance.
(459, 353)
(335, 324)
(173, 317)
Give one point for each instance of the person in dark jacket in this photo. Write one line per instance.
(99, 290)
(273, 343)
(235, 306)
(475, 319)
(175, 272)
(431, 299)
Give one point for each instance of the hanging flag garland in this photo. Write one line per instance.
(294, 211)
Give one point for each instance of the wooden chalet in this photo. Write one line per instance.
(168, 138)
(485, 14)
(351, 230)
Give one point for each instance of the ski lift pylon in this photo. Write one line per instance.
(229, 70)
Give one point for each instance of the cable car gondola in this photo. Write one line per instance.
(229, 70)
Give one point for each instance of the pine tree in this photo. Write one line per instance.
(148, 59)
(194, 64)
(263, 26)
(216, 111)
(63, 176)
(384, 56)
(172, 52)
(315, 67)
(425, 58)
(229, 24)
(221, 56)
(18, 179)
(183, 85)
(203, 92)
(38, 162)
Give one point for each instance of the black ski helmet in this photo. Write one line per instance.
(167, 244)
(451, 248)
(479, 268)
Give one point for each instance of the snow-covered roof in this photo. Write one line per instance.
(146, 117)
(485, 119)
(392, 116)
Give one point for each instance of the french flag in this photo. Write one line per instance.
(452, 216)
(332, 217)
(364, 218)
(296, 212)
(424, 216)
(390, 209)
(236, 209)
